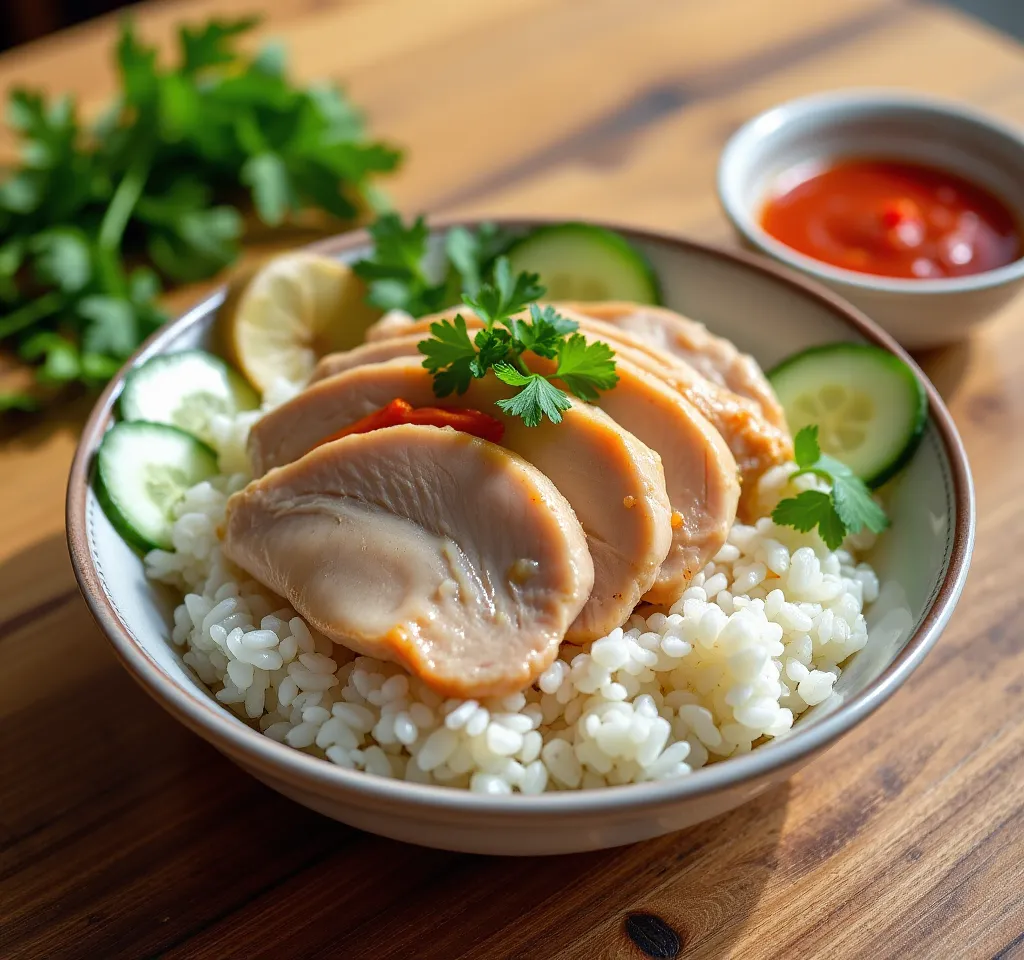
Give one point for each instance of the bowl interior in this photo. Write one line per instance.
(810, 132)
(766, 314)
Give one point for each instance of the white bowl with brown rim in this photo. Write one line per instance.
(767, 311)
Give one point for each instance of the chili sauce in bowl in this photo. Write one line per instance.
(910, 207)
(892, 218)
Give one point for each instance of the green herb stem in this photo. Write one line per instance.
(34, 311)
(126, 196)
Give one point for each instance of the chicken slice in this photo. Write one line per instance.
(700, 471)
(403, 344)
(614, 483)
(714, 358)
(755, 441)
(424, 546)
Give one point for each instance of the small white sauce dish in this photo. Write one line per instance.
(890, 125)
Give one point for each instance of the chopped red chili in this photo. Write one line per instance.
(400, 411)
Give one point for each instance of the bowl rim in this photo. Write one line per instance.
(200, 713)
(823, 104)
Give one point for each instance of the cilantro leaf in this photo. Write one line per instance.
(854, 505)
(455, 378)
(507, 295)
(208, 46)
(506, 373)
(98, 368)
(396, 245)
(586, 368)
(543, 333)
(137, 64)
(450, 356)
(805, 447)
(111, 325)
(267, 175)
(454, 359)
(493, 346)
(395, 272)
(847, 508)
(196, 243)
(811, 509)
(62, 258)
(552, 318)
(60, 359)
(450, 343)
(538, 397)
(472, 252)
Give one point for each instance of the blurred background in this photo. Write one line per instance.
(24, 20)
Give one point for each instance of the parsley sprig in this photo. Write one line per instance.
(400, 277)
(848, 508)
(96, 218)
(396, 273)
(455, 359)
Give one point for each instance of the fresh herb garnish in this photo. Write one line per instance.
(848, 508)
(474, 252)
(154, 182)
(397, 271)
(455, 359)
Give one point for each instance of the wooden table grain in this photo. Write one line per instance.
(122, 835)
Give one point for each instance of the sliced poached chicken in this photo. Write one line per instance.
(756, 442)
(714, 358)
(614, 483)
(700, 472)
(424, 546)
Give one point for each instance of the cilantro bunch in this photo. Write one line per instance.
(455, 360)
(847, 508)
(96, 219)
(471, 269)
(400, 278)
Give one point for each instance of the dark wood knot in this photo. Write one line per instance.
(652, 935)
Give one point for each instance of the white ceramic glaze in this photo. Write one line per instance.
(893, 125)
(765, 310)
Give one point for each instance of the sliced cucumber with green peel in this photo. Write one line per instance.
(143, 470)
(185, 389)
(869, 406)
(579, 261)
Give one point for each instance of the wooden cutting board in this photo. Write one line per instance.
(121, 835)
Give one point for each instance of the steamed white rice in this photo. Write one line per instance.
(757, 639)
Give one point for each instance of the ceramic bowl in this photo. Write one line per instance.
(766, 310)
(890, 125)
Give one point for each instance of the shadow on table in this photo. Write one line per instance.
(151, 843)
(946, 366)
(691, 892)
(20, 430)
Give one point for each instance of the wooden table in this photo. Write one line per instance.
(121, 835)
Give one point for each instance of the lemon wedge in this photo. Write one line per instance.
(278, 320)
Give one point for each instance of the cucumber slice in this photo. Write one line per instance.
(142, 470)
(185, 389)
(869, 406)
(578, 261)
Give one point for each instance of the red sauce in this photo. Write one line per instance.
(401, 411)
(895, 220)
